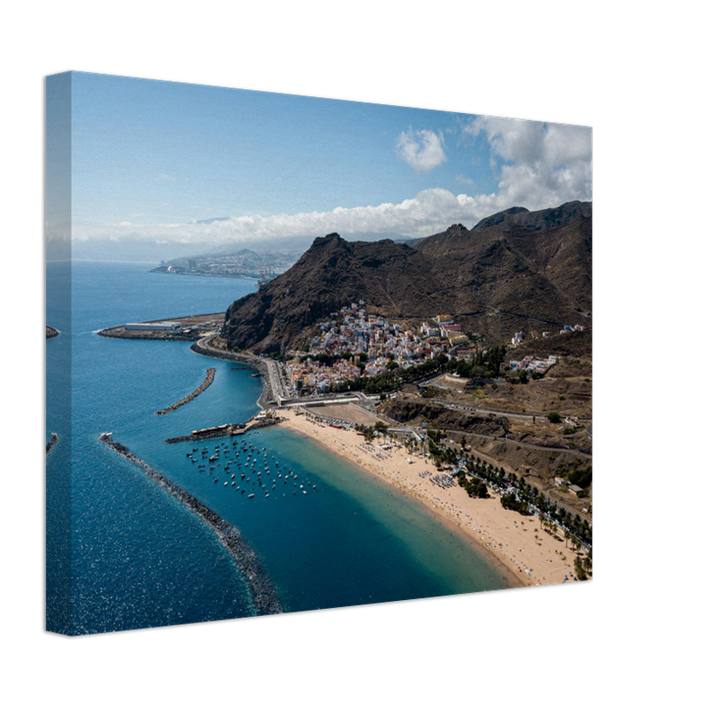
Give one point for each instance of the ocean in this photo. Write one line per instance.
(137, 557)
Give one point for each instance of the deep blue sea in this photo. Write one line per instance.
(123, 554)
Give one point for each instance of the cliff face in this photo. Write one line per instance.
(492, 278)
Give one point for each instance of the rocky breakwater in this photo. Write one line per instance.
(205, 347)
(51, 443)
(263, 593)
(209, 378)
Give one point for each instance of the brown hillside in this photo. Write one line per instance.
(494, 280)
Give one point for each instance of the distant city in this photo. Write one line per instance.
(263, 266)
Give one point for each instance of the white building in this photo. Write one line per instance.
(152, 326)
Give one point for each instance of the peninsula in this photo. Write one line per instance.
(185, 328)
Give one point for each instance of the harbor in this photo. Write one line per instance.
(263, 593)
(249, 467)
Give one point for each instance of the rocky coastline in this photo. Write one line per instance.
(263, 593)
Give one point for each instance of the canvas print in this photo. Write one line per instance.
(305, 353)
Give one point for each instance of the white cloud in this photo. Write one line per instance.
(537, 166)
(430, 211)
(421, 149)
(547, 164)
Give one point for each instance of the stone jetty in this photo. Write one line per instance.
(262, 419)
(51, 443)
(209, 378)
(263, 593)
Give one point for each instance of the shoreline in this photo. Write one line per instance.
(504, 539)
(517, 547)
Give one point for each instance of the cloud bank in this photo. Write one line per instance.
(540, 166)
(431, 211)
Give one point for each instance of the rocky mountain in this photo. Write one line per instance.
(516, 270)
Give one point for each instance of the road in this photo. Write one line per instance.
(502, 413)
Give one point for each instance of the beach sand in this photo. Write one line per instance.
(516, 545)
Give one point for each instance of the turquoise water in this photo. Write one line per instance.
(138, 557)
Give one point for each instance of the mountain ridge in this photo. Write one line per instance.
(501, 277)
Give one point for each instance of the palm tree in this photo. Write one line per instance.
(579, 570)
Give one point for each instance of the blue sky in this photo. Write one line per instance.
(151, 158)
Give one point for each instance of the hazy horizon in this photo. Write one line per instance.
(163, 170)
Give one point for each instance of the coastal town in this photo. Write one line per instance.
(354, 344)
(319, 392)
(351, 344)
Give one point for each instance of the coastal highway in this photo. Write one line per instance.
(276, 382)
(274, 376)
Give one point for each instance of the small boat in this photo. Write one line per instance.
(252, 495)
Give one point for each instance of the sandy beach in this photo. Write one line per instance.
(523, 552)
